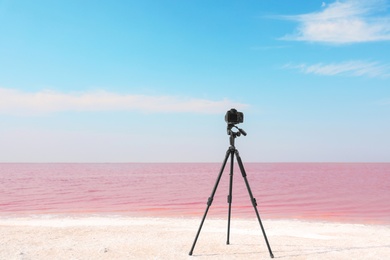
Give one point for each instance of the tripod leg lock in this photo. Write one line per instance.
(254, 203)
(209, 201)
(229, 199)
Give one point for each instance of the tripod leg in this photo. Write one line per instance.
(254, 203)
(230, 196)
(210, 199)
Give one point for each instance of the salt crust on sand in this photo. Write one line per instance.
(172, 238)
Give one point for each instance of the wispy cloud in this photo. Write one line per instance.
(342, 22)
(348, 68)
(266, 48)
(19, 102)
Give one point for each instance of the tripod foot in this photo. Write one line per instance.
(272, 255)
(191, 254)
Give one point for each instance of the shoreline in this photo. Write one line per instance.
(149, 215)
(126, 237)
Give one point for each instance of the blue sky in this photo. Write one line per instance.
(151, 81)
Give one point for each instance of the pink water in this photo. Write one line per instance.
(356, 193)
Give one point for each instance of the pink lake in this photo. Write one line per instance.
(343, 192)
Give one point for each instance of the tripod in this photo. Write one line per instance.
(230, 153)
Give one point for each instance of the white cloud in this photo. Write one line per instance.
(349, 68)
(342, 22)
(19, 102)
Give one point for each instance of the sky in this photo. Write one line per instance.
(151, 81)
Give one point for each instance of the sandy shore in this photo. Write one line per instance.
(169, 238)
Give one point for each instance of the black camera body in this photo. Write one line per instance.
(234, 117)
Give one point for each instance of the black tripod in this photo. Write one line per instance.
(231, 152)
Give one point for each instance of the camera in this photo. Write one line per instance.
(234, 117)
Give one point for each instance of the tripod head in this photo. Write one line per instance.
(234, 134)
(232, 118)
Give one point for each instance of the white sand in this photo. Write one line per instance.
(169, 238)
